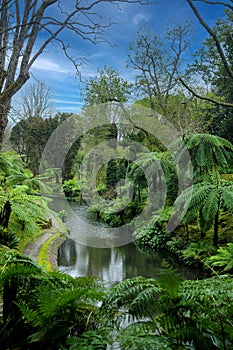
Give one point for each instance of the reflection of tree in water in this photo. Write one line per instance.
(137, 263)
(67, 253)
(114, 264)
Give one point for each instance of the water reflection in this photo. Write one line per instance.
(112, 264)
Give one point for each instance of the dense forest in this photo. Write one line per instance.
(154, 155)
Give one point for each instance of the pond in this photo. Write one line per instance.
(113, 263)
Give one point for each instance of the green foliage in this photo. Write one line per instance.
(43, 309)
(139, 337)
(152, 236)
(56, 311)
(196, 252)
(106, 86)
(206, 201)
(9, 239)
(197, 316)
(211, 67)
(212, 298)
(134, 296)
(90, 340)
(210, 154)
(29, 137)
(19, 200)
(223, 258)
(176, 245)
(71, 188)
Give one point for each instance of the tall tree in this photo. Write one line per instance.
(22, 27)
(36, 101)
(29, 137)
(214, 59)
(158, 66)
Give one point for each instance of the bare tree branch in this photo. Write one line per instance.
(219, 102)
(21, 22)
(216, 3)
(214, 36)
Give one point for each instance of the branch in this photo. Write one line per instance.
(216, 3)
(214, 36)
(209, 99)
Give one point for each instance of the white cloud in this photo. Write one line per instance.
(68, 102)
(138, 18)
(49, 65)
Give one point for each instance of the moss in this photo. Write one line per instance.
(47, 254)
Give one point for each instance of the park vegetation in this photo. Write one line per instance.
(51, 310)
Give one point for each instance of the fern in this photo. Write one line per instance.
(136, 295)
(208, 153)
(210, 206)
(223, 258)
(90, 340)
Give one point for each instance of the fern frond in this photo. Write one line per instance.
(223, 258)
(138, 295)
(210, 206)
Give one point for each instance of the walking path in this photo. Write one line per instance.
(33, 248)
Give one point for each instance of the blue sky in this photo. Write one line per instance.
(58, 73)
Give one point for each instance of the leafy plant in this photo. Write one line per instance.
(71, 188)
(210, 154)
(223, 258)
(9, 239)
(152, 236)
(63, 215)
(206, 201)
(196, 252)
(43, 310)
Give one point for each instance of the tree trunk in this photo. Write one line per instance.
(9, 297)
(3, 122)
(5, 214)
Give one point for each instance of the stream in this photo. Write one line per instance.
(113, 263)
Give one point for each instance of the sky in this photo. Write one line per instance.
(58, 73)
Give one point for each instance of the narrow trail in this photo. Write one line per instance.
(33, 248)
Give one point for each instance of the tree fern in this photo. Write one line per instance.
(206, 201)
(210, 206)
(208, 153)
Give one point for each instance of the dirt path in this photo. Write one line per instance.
(33, 248)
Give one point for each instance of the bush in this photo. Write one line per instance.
(152, 236)
(71, 188)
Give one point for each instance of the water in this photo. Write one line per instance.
(113, 263)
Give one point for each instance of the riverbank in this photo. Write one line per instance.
(43, 250)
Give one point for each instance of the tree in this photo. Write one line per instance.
(36, 101)
(106, 86)
(23, 24)
(29, 137)
(207, 201)
(151, 170)
(210, 157)
(158, 66)
(216, 53)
